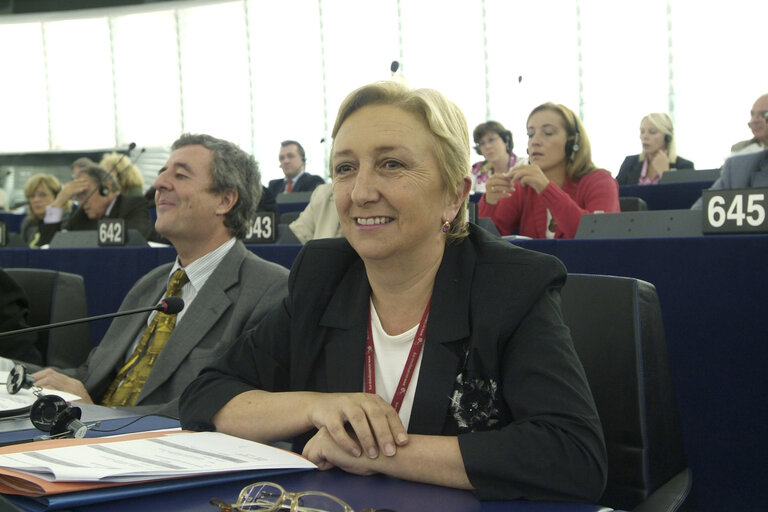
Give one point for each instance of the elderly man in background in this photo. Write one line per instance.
(98, 195)
(758, 123)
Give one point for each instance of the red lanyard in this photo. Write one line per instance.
(410, 363)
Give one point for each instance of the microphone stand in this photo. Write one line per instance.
(159, 307)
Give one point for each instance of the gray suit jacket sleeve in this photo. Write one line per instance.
(241, 290)
(741, 171)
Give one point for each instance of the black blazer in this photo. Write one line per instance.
(498, 369)
(306, 183)
(133, 209)
(629, 173)
(267, 203)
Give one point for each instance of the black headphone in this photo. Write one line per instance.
(506, 136)
(572, 145)
(49, 413)
(667, 138)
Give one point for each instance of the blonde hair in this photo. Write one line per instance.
(579, 162)
(445, 121)
(49, 181)
(121, 167)
(663, 123)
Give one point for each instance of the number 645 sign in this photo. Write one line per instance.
(735, 211)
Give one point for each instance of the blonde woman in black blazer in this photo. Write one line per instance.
(659, 155)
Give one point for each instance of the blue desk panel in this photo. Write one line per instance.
(110, 272)
(714, 303)
(667, 196)
(12, 221)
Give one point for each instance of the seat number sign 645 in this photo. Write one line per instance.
(111, 232)
(735, 211)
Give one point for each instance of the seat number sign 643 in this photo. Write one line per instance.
(111, 232)
(735, 211)
(261, 229)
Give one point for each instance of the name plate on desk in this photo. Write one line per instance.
(640, 224)
(261, 230)
(735, 211)
(111, 232)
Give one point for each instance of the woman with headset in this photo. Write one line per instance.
(494, 143)
(658, 156)
(547, 197)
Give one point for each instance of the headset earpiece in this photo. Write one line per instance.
(478, 150)
(507, 138)
(44, 411)
(50, 413)
(572, 144)
(667, 138)
(18, 379)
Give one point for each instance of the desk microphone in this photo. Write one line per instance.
(168, 305)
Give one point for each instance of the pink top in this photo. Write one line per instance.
(644, 180)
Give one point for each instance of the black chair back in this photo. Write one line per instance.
(55, 297)
(288, 217)
(618, 332)
(632, 204)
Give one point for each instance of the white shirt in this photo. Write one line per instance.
(391, 354)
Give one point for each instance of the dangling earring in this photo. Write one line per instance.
(446, 226)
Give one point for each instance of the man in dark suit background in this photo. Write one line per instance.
(293, 162)
(98, 194)
(206, 194)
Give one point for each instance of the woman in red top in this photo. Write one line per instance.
(547, 197)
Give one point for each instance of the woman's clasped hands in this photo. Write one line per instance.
(502, 185)
(350, 425)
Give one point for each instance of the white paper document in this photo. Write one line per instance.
(179, 454)
(25, 397)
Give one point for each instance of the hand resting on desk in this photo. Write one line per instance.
(51, 379)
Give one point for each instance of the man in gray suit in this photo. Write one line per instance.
(741, 171)
(205, 196)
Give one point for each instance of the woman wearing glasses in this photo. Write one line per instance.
(494, 143)
(419, 346)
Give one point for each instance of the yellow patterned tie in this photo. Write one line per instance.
(126, 387)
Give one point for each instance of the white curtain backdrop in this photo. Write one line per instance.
(258, 72)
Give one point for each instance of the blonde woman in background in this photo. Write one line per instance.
(40, 191)
(659, 154)
(127, 174)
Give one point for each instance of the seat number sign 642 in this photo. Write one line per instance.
(735, 211)
(111, 232)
